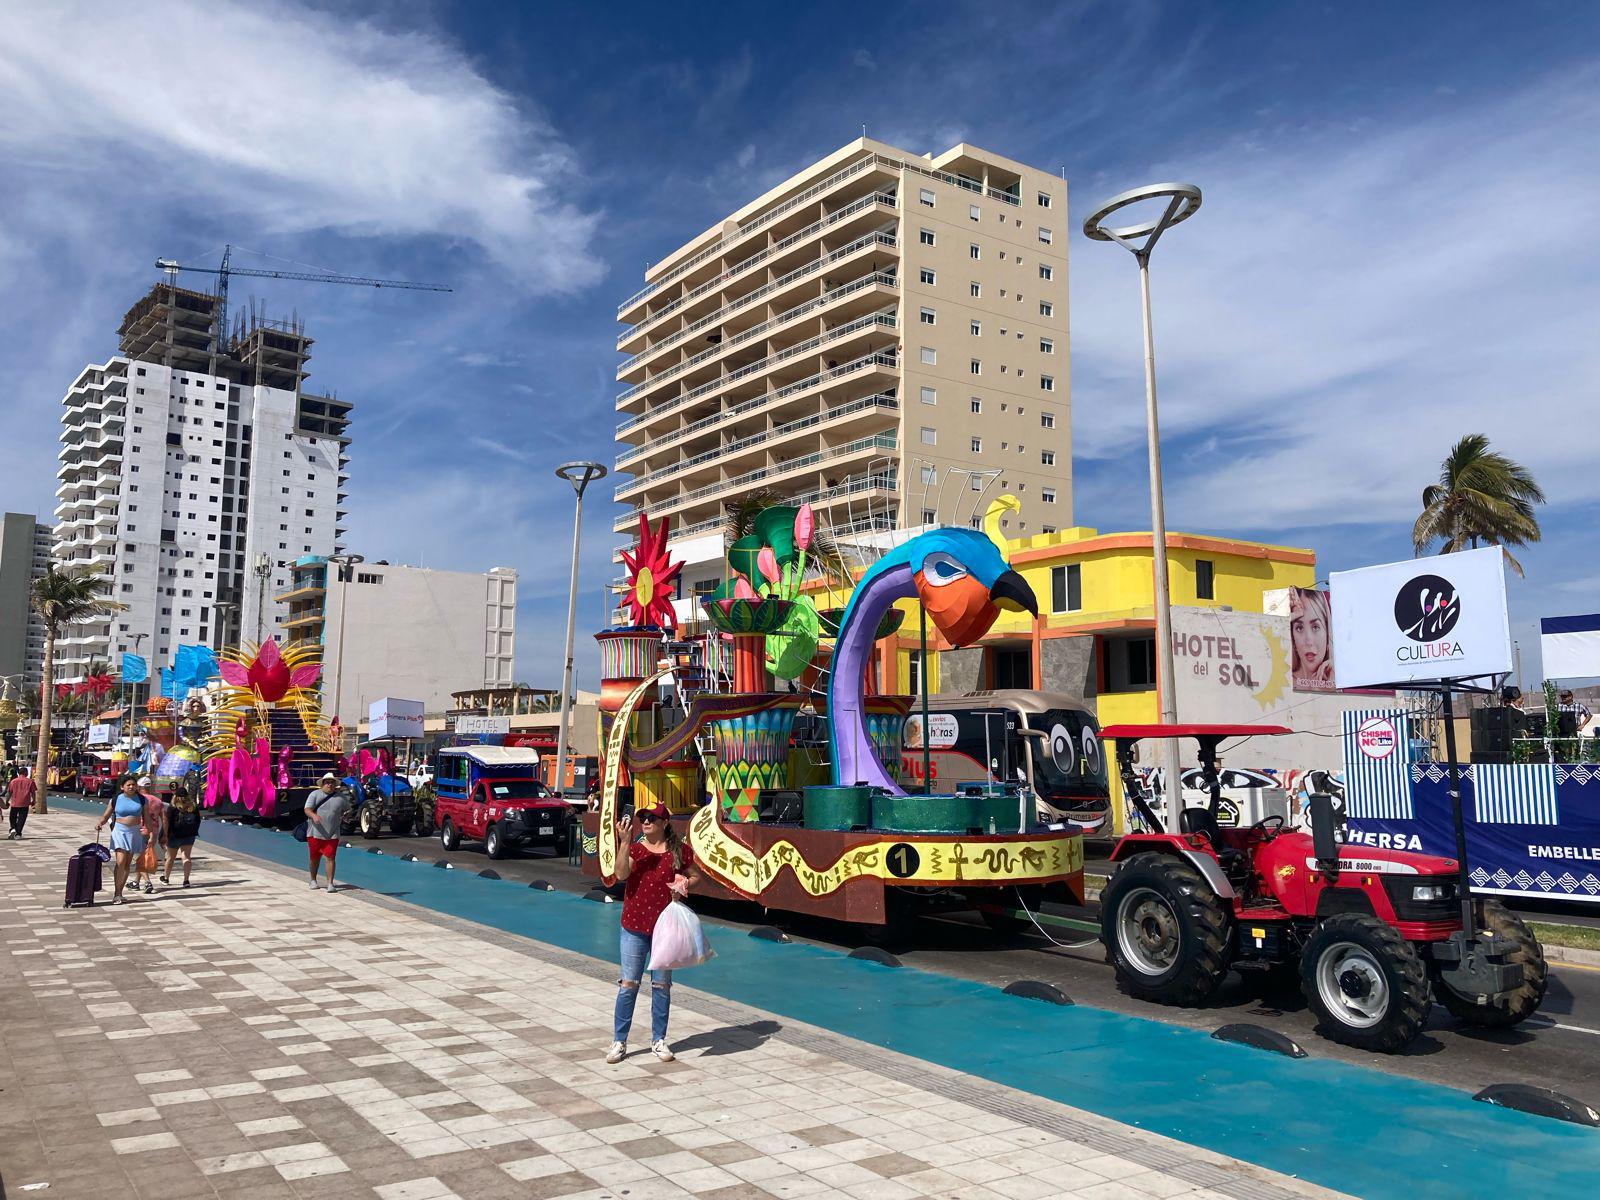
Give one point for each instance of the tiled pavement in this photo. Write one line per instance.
(249, 1038)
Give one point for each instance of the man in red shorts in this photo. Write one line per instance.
(324, 820)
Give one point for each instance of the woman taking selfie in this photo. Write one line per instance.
(655, 868)
(126, 811)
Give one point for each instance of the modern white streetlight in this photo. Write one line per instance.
(1182, 202)
(580, 475)
(346, 564)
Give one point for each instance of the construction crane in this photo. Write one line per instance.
(172, 267)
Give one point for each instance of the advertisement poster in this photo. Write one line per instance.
(1421, 621)
(394, 718)
(942, 731)
(1311, 640)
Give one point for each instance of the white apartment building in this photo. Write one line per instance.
(194, 478)
(883, 334)
(392, 630)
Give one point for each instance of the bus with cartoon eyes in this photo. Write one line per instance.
(1046, 742)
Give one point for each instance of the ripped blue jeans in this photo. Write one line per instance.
(635, 954)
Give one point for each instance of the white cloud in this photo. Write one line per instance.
(290, 120)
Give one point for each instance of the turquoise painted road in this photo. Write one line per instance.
(1349, 1128)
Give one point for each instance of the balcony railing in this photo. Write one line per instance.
(885, 319)
(886, 199)
(884, 278)
(885, 400)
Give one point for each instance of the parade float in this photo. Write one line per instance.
(790, 795)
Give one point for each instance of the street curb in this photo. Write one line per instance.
(1571, 954)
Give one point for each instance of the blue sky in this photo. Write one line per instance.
(1397, 244)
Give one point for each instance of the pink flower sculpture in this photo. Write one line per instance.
(267, 675)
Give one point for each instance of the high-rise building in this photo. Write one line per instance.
(391, 630)
(195, 469)
(883, 335)
(24, 556)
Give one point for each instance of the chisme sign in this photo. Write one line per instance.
(1422, 621)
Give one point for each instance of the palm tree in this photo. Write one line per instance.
(1481, 496)
(63, 597)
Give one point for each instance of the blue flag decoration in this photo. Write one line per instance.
(191, 667)
(134, 669)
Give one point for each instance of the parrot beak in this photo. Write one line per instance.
(1012, 589)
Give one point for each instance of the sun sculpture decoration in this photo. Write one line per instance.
(651, 574)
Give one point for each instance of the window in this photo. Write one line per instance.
(977, 405)
(930, 436)
(1066, 588)
(929, 317)
(1044, 235)
(975, 482)
(972, 251)
(1045, 272)
(975, 289)
(930, 356)
(1047, 420)
(1047, 458)
(975, 366)
(926, 275)
(1046, 309)
(925, 197)
(1048, 495)
(1205, 579)
(1047, 529)
(929, 516)
(1047, 383)
(977, 445)
(975, 328)
(929, 475)
(1142, 663)
(930, 395)
(1046, 346)
(914, 666)
(1044, 199)
(972, 211)
(926, 237)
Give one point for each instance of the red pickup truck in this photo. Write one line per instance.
(489, 794)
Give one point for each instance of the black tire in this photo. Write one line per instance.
(1365, 983)
(369, 821)
(1515, 1006)
(494, 842)
(449, 835)
(1165, 930)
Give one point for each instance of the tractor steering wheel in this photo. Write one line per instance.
(1264, 830)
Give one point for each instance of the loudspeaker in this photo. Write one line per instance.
(1493, 730)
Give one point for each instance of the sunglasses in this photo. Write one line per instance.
(648, 817)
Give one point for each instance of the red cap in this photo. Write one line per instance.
(659, 811)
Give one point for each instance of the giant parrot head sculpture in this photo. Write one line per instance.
(962, 582)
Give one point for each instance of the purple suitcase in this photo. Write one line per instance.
(83, 879)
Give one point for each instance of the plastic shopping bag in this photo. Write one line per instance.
(678, 940)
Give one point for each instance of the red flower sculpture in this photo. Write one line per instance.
(267, 675)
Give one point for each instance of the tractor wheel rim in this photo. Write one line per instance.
(1148, 932)
(1352, 985)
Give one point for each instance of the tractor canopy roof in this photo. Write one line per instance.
(1135, 732)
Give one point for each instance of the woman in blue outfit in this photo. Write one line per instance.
(126, 812)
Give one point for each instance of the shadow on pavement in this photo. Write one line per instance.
(730, 1039)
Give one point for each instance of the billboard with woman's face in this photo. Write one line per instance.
(1311, 640)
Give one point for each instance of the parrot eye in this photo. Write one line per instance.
(939, 569)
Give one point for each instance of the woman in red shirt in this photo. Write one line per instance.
(654, 869)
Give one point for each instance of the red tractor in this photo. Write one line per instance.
(1376, 935)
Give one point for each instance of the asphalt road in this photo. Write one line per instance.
(1559, 1048)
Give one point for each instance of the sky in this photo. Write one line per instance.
(1396, 245)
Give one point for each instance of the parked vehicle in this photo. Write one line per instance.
(97, 778)
(381, 800)
(489, 794)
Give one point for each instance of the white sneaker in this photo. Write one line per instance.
(332, 888)
(663, 1051)
(619, 1051)
(315, 886)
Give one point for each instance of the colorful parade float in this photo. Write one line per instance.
(765, 739)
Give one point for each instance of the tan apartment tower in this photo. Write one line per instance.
(883, 335)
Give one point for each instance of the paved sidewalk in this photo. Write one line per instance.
(249, 1038)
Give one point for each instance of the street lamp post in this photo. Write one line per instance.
(1182, 202)
(580, 475)
(346, 564)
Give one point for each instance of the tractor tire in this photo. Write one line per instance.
(494, 842)
(1365, 983)
(1165, 931)
(1515, 1006)
(449, 835)
(369, 822)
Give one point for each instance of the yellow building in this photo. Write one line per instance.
(1095, 633)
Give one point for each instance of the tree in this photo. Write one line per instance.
(63, 597)
(1481, 497)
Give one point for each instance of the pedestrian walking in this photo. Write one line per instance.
(155, 834)
(324, 810)
(19, 792)
(183, 827)
(126, 814)
(654, 869)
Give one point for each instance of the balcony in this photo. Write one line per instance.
(302, 620)
(303, 591)
(879, 202)
(885, 403)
